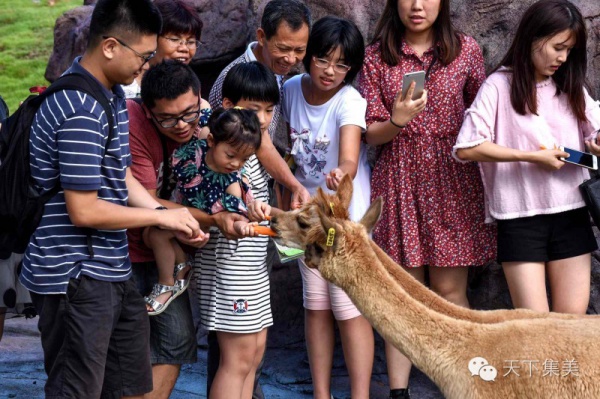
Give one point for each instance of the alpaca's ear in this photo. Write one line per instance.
(321, 199)
(371, 217)
(344, 191)
(331, 231)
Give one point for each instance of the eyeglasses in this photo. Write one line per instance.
(191, 44)
(323, 64)
(188, 117)
(145, 58)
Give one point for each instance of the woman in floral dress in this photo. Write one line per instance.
(434, 206)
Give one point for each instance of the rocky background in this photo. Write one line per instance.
(230, 24)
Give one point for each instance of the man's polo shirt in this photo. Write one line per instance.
(70, 144)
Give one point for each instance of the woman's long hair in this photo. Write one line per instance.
(541, 22)
(390, 31)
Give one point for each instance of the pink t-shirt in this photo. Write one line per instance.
(146, 167)
(520, 189)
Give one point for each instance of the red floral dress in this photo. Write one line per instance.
(434, 206)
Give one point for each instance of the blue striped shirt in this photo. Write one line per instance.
(69, 142)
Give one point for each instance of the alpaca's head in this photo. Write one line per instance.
(333, 237)
(292, 227)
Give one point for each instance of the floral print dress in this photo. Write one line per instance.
(434, 206)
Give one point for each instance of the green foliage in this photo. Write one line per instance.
(26, 40)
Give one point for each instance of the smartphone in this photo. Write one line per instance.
(419, 78)
(584, 159)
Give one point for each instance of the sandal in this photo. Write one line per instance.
(157, 290)
(184, 282)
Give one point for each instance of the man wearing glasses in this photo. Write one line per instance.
(170, 114)
(93, 322)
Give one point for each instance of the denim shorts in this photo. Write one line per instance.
(172, 333)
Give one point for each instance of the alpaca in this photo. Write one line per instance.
(292, 227)
(444, 348)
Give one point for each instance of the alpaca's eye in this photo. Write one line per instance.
(303, 225)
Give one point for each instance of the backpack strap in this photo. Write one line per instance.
(90, 86)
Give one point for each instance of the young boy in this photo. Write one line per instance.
(93, 322)
(251, 86)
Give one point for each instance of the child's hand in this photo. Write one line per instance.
(258, 211)
(197, 242)
(245, 229)
(333, 179)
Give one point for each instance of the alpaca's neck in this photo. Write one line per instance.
(426, 337)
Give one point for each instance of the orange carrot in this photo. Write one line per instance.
(265, 231)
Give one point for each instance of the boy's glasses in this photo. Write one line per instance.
(145, 58)
(323, 64)
(188, 117)
(175, 41)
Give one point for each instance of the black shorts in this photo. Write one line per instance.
(95, 340)
(172, 332)
(544, 238)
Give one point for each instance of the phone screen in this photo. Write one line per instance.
(581, 158)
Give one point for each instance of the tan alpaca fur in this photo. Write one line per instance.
(441, 346)
(292, 228)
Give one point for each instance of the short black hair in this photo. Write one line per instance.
(330, 32)
(168, 79)
(251, 81)
(236, 126)
(293, 12)
(123, 18)
(179, 17)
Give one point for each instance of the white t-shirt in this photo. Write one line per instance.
(315, 139)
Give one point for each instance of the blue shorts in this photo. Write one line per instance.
(172, 333)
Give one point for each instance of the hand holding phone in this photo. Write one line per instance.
(419, 79)
(584, 159)
(405, 109)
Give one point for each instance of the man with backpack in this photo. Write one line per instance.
(93, 322)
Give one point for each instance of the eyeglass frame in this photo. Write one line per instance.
(177, 119)
(345, 68)
(144, 58)
(182, 42)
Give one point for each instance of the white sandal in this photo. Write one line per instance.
(157, 290)
(183, 283)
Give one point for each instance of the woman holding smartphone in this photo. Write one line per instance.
(534, 103)
(434, 205)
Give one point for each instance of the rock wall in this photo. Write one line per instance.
(230, 24)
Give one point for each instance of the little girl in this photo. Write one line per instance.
(534, 103)
(233, 283)
(326, 116)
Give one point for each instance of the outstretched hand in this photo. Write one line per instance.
(179, 219)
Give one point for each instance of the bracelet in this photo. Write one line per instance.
(395, 124)
(161, 208)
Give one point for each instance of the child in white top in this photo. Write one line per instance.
(326, 116)
(534, 103)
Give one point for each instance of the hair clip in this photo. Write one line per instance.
(238, 107)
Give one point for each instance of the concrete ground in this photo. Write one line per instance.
(286, 374)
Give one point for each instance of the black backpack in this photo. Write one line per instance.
(21, 200)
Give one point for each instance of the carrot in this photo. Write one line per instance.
(265, 231)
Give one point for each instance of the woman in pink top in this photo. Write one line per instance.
(534, 103)
(434, 213)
